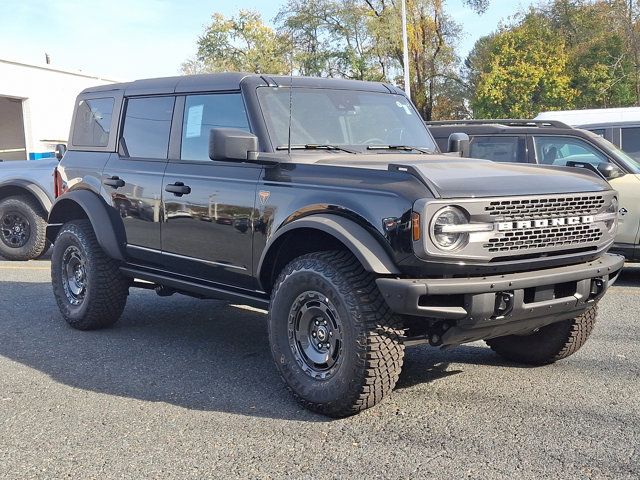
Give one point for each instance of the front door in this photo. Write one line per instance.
(209, 206)
(132, 178)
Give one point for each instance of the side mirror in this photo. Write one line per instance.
(61, 149)
(609, 171)
(232, 144)
(459, 143)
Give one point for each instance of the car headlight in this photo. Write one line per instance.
(612, 222)
(446, 231)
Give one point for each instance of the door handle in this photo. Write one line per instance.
(114, 182)
(178, 189)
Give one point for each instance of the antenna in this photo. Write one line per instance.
(290, 92)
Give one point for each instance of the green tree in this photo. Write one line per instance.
(241, 43)
(526, 73)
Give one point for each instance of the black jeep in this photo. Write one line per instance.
(324, 201)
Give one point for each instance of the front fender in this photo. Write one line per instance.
(106, 224)
(364, 246)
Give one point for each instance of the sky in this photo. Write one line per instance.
(129, 39)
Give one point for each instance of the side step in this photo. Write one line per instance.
(190, 287)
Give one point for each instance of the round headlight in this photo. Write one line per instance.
(613, 208)
(443, 231)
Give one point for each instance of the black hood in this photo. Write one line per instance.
(452, 177)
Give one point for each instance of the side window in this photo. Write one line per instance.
(599, 131)
(93, 122)
(564, 151)
(147, 125)
(204, 112)
(631, 141)
(497, 148)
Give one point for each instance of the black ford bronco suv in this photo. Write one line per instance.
(327, 203)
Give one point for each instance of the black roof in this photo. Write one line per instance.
(232, 81)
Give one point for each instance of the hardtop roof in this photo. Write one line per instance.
(232, 81)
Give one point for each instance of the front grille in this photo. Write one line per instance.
(557, 206)
(535, 238)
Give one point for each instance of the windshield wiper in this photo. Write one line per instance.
(404, 148)
(316, 146)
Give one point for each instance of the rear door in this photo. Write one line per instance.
(208, 229)
(132, 178)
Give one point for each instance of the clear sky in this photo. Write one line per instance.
(129, 39)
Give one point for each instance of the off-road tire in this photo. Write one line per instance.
(550, 343)
(29, 209)
(106, 288)
(373, 352)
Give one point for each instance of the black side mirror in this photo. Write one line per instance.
(459, 143)
(61, 149)
(232, 144)
(609, 171)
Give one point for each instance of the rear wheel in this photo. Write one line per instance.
(88, 286)
(548, 344)
(335, 341)
(23, 228)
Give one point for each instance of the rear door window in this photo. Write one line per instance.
(566, 152)
(147, 125)
(93, 122)
(498, 148)
(631, 141)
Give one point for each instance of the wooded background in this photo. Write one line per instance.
(561, 54)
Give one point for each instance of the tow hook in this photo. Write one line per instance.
(597, 287)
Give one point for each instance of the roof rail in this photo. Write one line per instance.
(508, 122)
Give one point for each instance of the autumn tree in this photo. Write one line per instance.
(241, 43)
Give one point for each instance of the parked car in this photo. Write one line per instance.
(621, 126)
(551, 142)
(26, 196)
(361, 239)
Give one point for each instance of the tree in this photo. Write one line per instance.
(241, 43)
(526, 73)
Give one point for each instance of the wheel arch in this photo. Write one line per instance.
(106, 224)
(23, 187)
(322, 232)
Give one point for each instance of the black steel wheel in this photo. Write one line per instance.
(334, 339)
(315, 334)
(74, 275)
(88, 286)
(23, 227)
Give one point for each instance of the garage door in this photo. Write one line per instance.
(12, 142)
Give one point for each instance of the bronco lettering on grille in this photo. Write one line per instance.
(544, 222)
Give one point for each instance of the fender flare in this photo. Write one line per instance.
(106, 224)
(364, 246)
(34, 189)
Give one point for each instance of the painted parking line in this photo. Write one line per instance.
(22, 267)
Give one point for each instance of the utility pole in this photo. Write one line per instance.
(405, 46)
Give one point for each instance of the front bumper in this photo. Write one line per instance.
(485, 307)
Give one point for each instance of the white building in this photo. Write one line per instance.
(36, 104)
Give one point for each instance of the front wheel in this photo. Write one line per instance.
(548, 344)
(336, 343)
(88, 286)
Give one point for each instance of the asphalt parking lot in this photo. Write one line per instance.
(184, 388)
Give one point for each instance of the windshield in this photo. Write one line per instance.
(629, 162)
(346, 118)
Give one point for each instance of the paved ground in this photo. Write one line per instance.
(185, 389)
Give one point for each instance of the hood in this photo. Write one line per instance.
(453, 177)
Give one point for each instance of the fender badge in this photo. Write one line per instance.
(264, 196)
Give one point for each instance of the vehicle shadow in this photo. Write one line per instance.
(203, 355)
(630, 276)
